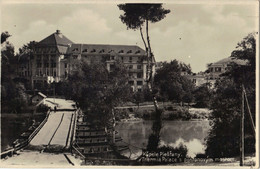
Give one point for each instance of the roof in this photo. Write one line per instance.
(41, 94)
(56, 38)
(229, 60)
(105, 49)
(62, 49)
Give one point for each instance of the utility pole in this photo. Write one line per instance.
(113, 129)
(242, 130)
(249, 113)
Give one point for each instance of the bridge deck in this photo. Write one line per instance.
(56, 132)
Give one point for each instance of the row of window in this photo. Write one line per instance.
(139, 83)
(217, 69)
(46, 49)
(130, 59)
(25, 73)
(103, 51)
(132, 66)
(46, 64)
(47, 72)
(138, 75)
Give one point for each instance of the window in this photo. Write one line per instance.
(75, 49)
(39, 64)
(193, 80)
(112, 67)
(130, 59)
(85, 50)
(46, 64)
(139, 90)
(53, 64)
(130, 74)
(131, 82)
(65, 65)
(139, 66)
(139, 83)
(218, 69)
(139, 75)
(130, 66)
(112, 57)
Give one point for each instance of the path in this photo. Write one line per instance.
(54, 136)
(56, 132)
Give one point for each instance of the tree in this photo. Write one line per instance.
(138, 97)
(13, 97)
(172, 84)
(135, 17)
(97, 91)
(224, 137)
(203, 95)
(4, 36)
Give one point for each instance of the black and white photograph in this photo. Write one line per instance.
(129, 83)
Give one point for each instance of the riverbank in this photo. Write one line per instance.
(13, 125)
(170, 112)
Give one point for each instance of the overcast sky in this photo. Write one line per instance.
(196, 34)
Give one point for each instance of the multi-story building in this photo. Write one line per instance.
(221, 66)
(55, 57)
(213, 73)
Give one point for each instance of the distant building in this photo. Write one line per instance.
(55, 57)
(220, 67)
(197, 79)
(214, 71)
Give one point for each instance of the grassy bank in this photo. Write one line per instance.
(170, 112)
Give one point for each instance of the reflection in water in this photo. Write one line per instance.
(189, 133)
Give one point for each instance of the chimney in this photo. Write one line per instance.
(57, 31)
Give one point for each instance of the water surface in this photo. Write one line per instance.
(189, 133)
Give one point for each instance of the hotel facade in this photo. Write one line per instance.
(55, 57)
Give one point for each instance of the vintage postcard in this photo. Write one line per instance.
(130, 83)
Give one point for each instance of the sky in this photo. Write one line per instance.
(194, 32)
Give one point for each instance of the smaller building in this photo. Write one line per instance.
(39, 97)
(221, 66)
(197, 79)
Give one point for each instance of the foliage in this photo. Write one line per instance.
(97, 91)
(202, 96)
(4, 36)
(224, 137)
(138, 97)
(13, 96)
(171, 84)
(137, 14)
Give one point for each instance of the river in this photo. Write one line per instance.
(190, 133)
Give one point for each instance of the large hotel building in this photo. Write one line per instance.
(55, 57)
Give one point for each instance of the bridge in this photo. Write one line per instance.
(55, 134)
